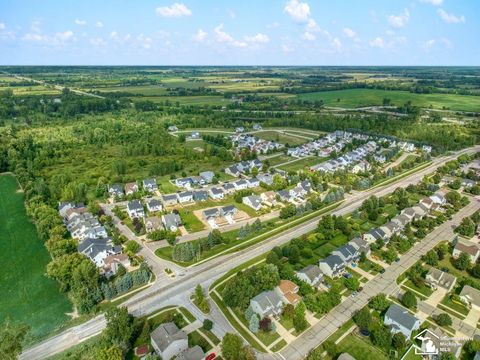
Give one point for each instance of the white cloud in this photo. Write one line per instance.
(80, 22)
(349, 33)
(64, 36)
(60, 38)
(444, 42)
(221, 35)
(231, 14)
(298, 11)
(35, 26)
(239, 44)
(450, 18)
(99, 24)
(433, 2)
(174, 10)
(98, 42)
(2, 26)
(312, 25)
(399, 20)
(287, 48)
(377, 42)
(144, 41)
(309, 36)
(273, 25)
(200, 35)
(258, 39)
(337, 44)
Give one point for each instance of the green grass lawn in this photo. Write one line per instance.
(460, 308)
(360, 349)
(291, 140)
(195, 338)
(353, 98)
(302, 163)
(190, 221)
(424, 290)
(28, 296)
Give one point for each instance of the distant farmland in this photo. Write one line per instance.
(353, 98)
(28, 296)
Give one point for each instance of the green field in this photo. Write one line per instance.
(353, 98)
(360, 349)
(281, 138)
(187, 100)
(302, 163)
(28, 296)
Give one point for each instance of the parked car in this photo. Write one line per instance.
(210, 356)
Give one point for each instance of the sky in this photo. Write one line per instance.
(246, 32)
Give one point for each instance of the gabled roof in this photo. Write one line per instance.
(333, 261)
(472, 294)
(312, 272)
(166, 334)
(401, 316)
(135, 205)
(468, 248)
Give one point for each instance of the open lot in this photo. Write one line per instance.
(28, 296)
(353, 98)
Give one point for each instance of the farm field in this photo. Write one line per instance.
(187, 100)
(28, 296)
(301, 163)
(353, 98)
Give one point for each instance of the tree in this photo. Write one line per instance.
(431, 258)
(131, 246)
(462, 262)
(331, 348)
(266, 324)
(288, 311)
(352, 283)
(381, 336)
(299, 321)
(11, 339)
(399, 341)
(447, 356)
(363, 318)
(207, 324)
(466, 228)
(409, 300)
(379, 302)
(119, 329)
(231, 347)
(109, 353)
(254, 323)
(443, 319)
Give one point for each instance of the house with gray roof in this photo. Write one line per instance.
(229, 210)
(437, 278)
(253, 182)
(200, 195)
(361, 245)
(267, 303)
(332, 266)
(168, 340)
(374, 235)
(135, 209)
(154, 205)
(171, 221)
(400, 320)
(193, 353)
(185, 196)
(211, 213)
(228, 188)
(311, 274)
(470, 297)
(265, 178)
(409, 213)
(207, 176)
(348, 253)
(401, 220)
(186, 183)
(170, 199)
(115, 190)
(150, 185)
(253, 201)
(216, 193)
(240, 185)
(97, 250)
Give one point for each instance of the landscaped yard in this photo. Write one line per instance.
(281, 138)
(190, 221)
(424, 290)
(460, 308)
(302, 163)
(28, 296)
(360, 349)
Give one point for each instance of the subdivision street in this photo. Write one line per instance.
(177, 291)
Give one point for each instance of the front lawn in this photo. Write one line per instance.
(190, 221)
(462, 309)
(360, 348)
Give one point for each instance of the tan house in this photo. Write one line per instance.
(467, 247)
(153, 223)
(269, 198)
(470, 297)
(131, 188)
(113, 263)
(437, 278)
(288, 291)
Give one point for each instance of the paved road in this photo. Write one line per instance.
(162, 292)
(383, 283)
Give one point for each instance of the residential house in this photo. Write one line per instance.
(195, 135)
(193, 353)
(228, 212)
(131, 188)
(426, 203)
(153, 223)
(185, 183)
(240, 185)
(150, 185)
(269, 198)
(115, 190)
(467, 247)
(267, 303)
(216, 193)
(113, 262)
(289, 292)
(135, 209)
(306, 186)
(228, 188)
(169, 199)
(401, 220)
(168, 340)
(285, 196)
(254, 201)
(265, 178)
(209, 214)
(253, 182)
(96, 250)
(360, 245)
(401, 320)
(439, 199)
(185, 196)
(467, 183)
(470, 297)
(409, 213)
(332, 266)
(437, 278)
(420, 212)
(374, 234)
(207, 176)
(362, 166)
(172, 128)
(233, 170)
(154, 205)
(257, 127)
(171, 221)
(63, 207)
(200, 195)
(311, 274)
(348, 253)
(240, 129)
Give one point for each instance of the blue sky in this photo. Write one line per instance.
(261, 32)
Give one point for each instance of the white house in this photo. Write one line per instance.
(311, 274)
(171, 221)
(135, 209)
(185, 196)
(168, 340)
(401, 320)
(154, 205)
(254, 201)
(216, 193)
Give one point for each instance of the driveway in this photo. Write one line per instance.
(437, 296)
(472, 317)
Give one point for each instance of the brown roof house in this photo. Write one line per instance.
(288, 290)
(467, 247)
